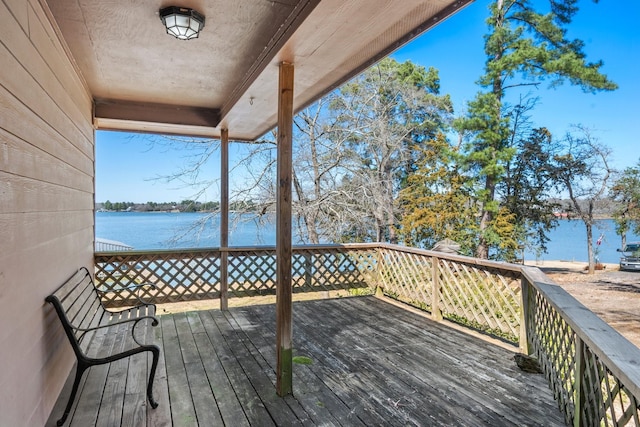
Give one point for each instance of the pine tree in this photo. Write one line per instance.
(524, 47)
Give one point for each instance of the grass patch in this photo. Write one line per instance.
(302, 360)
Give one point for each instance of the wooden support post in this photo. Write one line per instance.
(579, 397)
(284, 371)
(436, 314)
(524, 316)
(224, 219)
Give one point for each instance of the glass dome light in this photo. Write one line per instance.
(181, 22)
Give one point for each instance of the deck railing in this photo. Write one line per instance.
(194, 274)
(592, 370)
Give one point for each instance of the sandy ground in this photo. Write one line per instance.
(612, 294)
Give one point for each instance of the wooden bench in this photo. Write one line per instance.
(85, 319)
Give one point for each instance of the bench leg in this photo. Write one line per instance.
(76, 382)
(156, 355)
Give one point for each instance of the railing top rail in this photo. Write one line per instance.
(453, 257)
(156, 251)
(241, 249)
(618, 353)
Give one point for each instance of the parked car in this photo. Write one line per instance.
(630, 259)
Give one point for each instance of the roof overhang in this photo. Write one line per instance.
(144, 80)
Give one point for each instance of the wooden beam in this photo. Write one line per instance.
(284, 347)
(224, 218)
(111, 110)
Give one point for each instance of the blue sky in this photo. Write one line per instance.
(126, 164)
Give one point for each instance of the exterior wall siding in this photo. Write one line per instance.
(46, 205)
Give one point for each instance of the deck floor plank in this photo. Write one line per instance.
(183, 413)
(367, 376)
(373, 363)
(134, 412)
(497, 382)
(261, 343)
(312, 398)
(204, 403)
(258, 374)
(112, 405)
(250, 402)
(160, 416)
(90, 396)
(228, 403)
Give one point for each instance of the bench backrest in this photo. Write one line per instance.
(78, 305)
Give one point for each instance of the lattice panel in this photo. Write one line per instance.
(192, 274)
(175, 276)
(479, 296)
(554, 344)
(252, 272)
(407, 277)
(604, 399)
(332, 269)
(607, 401)
(486, 298)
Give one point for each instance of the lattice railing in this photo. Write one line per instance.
(186, 275)
(181, 275)
(593, 371)
(481, 296)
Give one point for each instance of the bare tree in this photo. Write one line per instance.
(351, 151)
(250, 173)
(383, 117)
(583, 169)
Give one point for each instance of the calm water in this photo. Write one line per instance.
(569, 242)
(161, 231)
(164, 230)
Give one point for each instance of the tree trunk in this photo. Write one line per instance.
(312, 232)
(592, 264)
(482, 251)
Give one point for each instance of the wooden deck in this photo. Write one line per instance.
(372, 364)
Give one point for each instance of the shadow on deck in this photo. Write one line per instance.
(373, 363)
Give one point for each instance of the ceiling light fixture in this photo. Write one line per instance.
(181, 22)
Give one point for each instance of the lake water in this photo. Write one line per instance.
(164, 230)
(159, 230)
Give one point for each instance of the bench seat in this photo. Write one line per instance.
(86, 322)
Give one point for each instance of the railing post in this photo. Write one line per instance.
(578, 394)
(436, 314)
(524, 316)
(378, 274)
(308, 270)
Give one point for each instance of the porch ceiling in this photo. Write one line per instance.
(142, 79)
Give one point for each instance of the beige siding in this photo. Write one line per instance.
(46, 205)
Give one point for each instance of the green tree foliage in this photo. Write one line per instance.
(524, 47)
(525, 193)
(626, 193)
(435, 201)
